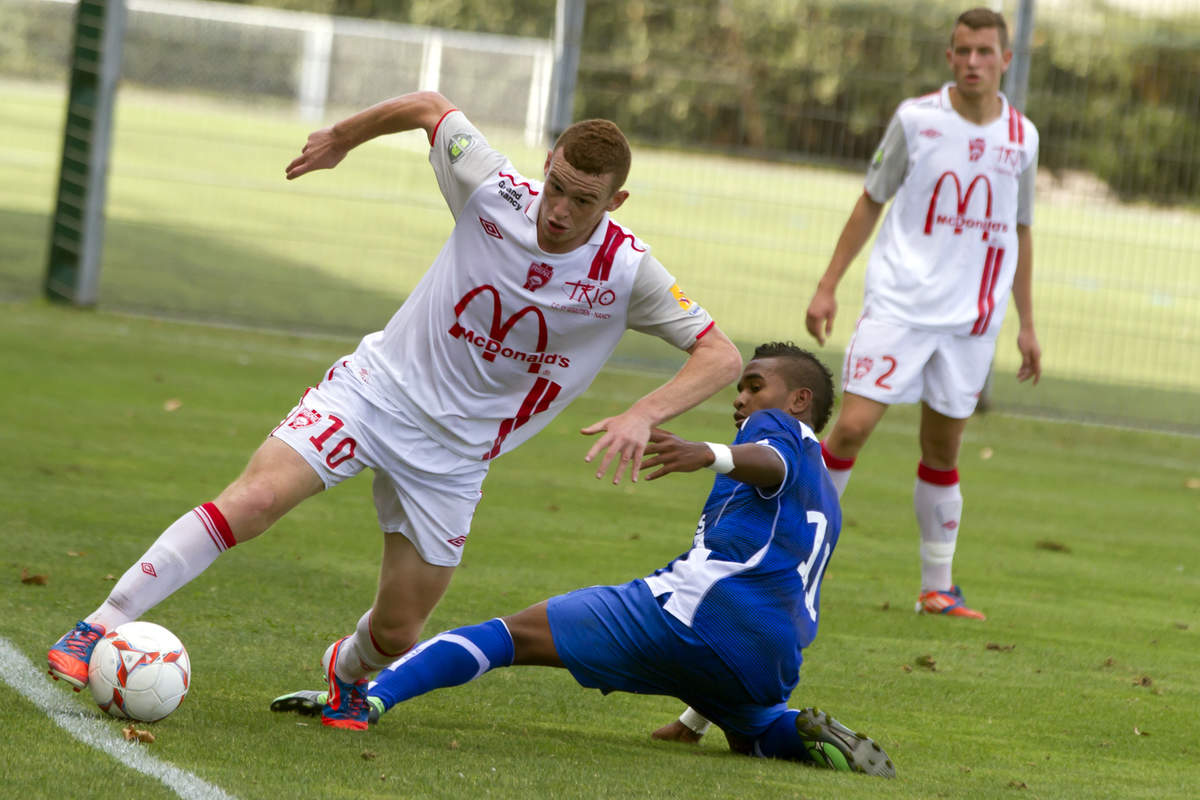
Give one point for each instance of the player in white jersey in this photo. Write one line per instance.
(519, 311)
(724, 625)
(960, 165)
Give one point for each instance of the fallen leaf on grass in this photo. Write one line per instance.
(174, 404)
(35, 580)
(986, 453)
(1004, 647)
(1108, 662)
(906, 667)
(1142, 681)
(110, 577)
(886, 605)
(1018, 785)
(1192, 483)
(76, 553)
(1058, 547)
(369, 755)
(453, 744)
(927, 662)
(1139, 732)
(1183, 626)
(131, 733)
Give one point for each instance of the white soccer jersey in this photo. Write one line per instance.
(946, 253)
(499, 336)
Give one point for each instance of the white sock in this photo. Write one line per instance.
(938, 502)
(839, 469)
(361, 656)
(180, 553)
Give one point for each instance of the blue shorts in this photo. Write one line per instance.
(618, 638)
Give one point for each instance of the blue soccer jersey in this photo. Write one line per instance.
(750, 585)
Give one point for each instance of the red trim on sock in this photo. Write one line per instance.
(380, 650)
(833, 462)
(222, 526)
(938, 477)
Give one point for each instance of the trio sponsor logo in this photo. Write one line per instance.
(975, 148)
(492, 343)
(1007, 156)
(959, 219)
(591, 293)
(490, 228)
(538, 276)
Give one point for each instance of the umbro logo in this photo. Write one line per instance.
(458, 541)
(490, 228)
(931, 133)
(148, 568)
(951, 525)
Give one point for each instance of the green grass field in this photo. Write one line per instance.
(202, 224)
(1079, 542)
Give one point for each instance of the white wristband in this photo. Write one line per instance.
(694, 722)
(722, 458)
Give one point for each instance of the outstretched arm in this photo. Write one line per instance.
(823, 307)
(752, 463)
(1027, 342)
(713, 363)
(326, 147)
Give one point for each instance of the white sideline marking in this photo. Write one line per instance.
(19, 672)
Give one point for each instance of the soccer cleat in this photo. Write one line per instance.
(69, 656)
(834, 746)
(950, 603)
(346, 703)
(309, 702)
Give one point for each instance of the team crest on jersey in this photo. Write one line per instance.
(977, 147)
(459, 144)
(304, 417)
(538, 276)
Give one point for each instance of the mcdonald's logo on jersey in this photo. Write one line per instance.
(492, 343)
(959, 219)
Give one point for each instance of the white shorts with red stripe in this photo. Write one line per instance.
(892, 364)
(421, 489)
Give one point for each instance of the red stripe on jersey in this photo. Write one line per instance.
(984, 282)
(991, 296)
(833, 462)
(1016, 126)
(938, 477)
(614, 237)
(539, 398)
(516, 182)
(433, 135)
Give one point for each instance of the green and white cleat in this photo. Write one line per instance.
(309, 702)
(834, 746)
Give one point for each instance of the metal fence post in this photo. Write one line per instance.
(77, 228)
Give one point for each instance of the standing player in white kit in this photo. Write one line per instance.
(960, 164)
(519, 311)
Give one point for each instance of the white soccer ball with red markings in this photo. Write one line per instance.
(139, 670)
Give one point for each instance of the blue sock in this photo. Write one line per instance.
(449, 659)
(781, 740)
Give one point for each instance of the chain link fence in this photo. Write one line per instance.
(752, 122)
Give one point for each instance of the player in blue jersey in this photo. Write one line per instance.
(722, 626)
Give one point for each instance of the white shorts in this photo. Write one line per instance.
(421, 489)
(893, 364)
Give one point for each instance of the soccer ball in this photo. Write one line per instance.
(139, 670)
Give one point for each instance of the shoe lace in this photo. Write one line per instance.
(81, 640)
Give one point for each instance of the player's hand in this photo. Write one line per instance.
(670, 454)
(624, 435)
(821, 311)
(1031, 356)
(321, 151)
